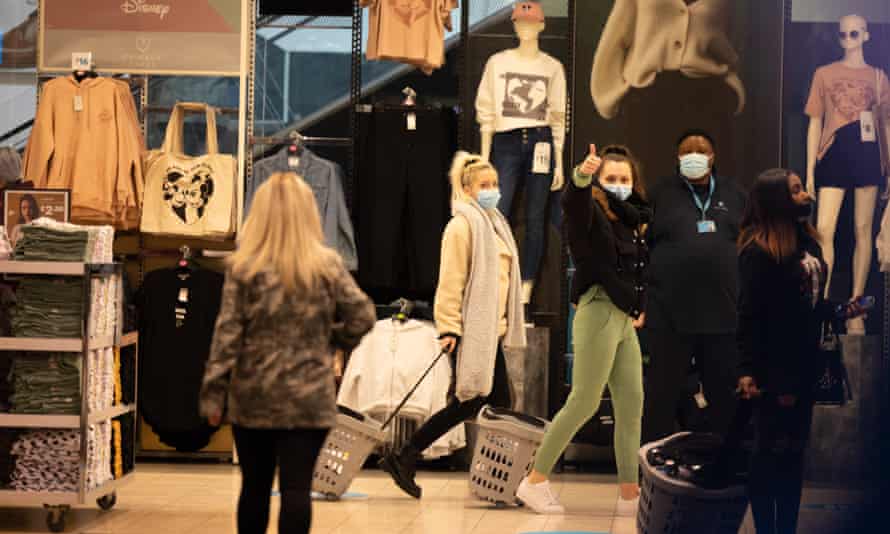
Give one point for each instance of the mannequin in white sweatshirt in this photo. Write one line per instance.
(521, 110)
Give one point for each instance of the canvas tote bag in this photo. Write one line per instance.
(189, 196)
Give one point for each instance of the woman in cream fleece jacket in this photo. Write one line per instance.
(477, 311)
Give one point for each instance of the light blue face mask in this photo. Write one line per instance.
(489, 198)
(623, 192)
(695, 165)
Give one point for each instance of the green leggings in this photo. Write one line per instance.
(607, 351)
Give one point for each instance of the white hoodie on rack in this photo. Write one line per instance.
(387, 364)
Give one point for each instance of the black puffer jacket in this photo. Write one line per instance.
(605, 237)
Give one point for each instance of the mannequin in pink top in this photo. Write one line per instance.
(842, 150)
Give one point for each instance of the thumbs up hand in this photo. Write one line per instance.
(591, 165)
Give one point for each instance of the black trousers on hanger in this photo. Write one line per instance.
(671, 353)
(402, 200)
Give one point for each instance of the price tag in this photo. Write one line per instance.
(867, 126)
(541, 162)
(412, 122)
(183, 294)
(78, 103)
(293, 162)
(81, 61)
(700, 399)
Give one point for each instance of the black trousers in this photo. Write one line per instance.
(671, 353)
(775, 480)
(457, 412)
(294, 452)
(402, 200)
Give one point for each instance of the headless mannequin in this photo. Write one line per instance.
(830, 199)
(529, 48)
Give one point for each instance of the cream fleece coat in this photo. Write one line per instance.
(645, 37)
(479, 309)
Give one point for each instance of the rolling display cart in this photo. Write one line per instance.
(58, 503)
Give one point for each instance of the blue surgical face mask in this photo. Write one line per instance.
(489, 198)
(695, 165)
(623, 192)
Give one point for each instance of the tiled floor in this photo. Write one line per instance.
(184, 499)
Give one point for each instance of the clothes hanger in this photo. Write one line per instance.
(405, 308)
(185, 266)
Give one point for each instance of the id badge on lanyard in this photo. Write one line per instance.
(704, 225)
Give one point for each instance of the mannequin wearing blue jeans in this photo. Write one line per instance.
(512, 154)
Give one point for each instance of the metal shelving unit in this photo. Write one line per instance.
(58, 503)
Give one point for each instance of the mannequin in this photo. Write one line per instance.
(520, 108)
(840, 157)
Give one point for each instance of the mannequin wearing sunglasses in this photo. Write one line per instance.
(842, 149)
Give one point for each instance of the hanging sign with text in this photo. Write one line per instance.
(200, 37)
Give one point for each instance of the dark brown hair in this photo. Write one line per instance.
(770, 220)
(622, 154)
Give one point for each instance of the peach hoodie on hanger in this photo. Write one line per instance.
(86, 138)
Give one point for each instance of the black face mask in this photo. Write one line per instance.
(804, 211)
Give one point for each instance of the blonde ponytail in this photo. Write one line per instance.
(464, 167)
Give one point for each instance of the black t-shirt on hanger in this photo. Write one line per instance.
(177, 317)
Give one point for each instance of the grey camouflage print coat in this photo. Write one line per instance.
(272, 353)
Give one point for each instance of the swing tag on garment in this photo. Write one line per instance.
(700, 399)
(293, 162)
(78, 103)
(541, 162)
(706, 227)
(867, 127)
(412, 122)
(183, 295)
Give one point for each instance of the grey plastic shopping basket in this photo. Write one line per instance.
(504, 454)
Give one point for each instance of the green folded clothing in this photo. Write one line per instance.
(39, 243)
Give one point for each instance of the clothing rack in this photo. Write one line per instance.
(300, 140)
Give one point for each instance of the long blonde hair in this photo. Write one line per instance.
(283, 235)
(464, 169)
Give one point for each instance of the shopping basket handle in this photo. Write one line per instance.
(417, 385)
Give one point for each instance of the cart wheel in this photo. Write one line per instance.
(55, 520)
(500, 505)
(107, 502)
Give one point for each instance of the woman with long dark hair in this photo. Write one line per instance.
(606, 215)
(781, 313)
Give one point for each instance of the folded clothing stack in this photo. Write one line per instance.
(5, 382)
(48, 307)
(123, 446)
(46, 460)
(127, 375)
(45, 244)
(47, 384)
(101, 379)
(99, 454)
(48, 240)
(104, 306)
(7, 459)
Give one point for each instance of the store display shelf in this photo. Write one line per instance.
(16, 420)
(56, 498)
(59, 268)
(111, 413)
(47, 344)
(129, 339)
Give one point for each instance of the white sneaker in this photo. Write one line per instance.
(539, 497)
(627, 508)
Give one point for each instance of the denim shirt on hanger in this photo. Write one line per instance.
(325, 178)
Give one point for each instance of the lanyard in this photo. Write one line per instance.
(707, 205)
